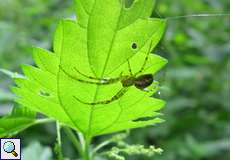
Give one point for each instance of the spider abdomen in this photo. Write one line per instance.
(143, 81)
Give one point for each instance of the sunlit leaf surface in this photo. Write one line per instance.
(99, 44)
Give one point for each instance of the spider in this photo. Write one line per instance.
(139, 81)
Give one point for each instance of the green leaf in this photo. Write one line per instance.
(19, 119)
(98, 44)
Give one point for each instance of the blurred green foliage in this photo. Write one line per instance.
(26, 23)
(196, 82)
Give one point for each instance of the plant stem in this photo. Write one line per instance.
(81, 139)
(59, 143)
(100, 146)
(74, 140)
(45, 120)
(87, 154)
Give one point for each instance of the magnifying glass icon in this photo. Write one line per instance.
(9, 147)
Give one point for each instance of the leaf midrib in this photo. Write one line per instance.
(106, 62)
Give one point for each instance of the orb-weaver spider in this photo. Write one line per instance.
(141, 82)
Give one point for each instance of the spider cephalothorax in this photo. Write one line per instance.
(139, 81)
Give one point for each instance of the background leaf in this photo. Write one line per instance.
(19, 119)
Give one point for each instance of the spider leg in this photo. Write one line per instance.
(146, 59)
(89, 82)
(90, 77)
(102, 80)
(130, 70)
(114, 98)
